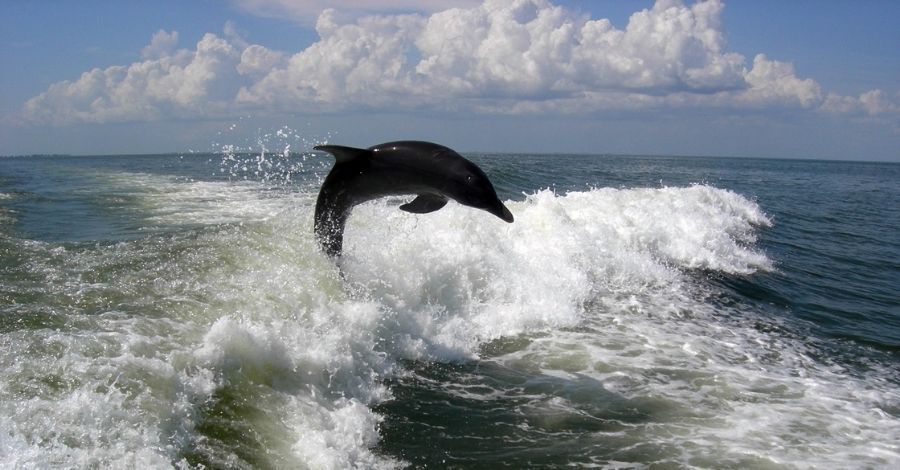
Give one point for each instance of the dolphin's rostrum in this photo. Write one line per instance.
(432, 172)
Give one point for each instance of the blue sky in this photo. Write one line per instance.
(800, 79)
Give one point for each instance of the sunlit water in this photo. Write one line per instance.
(174, 311)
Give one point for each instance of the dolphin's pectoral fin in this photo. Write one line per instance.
(344, 154)
(424, 204)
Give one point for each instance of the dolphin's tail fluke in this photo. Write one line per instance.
(344, 154)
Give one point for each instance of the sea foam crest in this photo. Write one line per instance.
(249, 307)
(456, 278)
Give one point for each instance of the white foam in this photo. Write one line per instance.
(457, 278)
(253, 308)
(172, 201)
(82, 399)
(614, 263)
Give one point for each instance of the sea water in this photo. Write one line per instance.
(174, 311)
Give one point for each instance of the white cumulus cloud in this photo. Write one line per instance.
(773, 82)
(499, 56)
(168, 83)
(162, 44)
(872, 102)
(306, 11)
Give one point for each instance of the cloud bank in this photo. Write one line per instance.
(500, 56)
(306, 11)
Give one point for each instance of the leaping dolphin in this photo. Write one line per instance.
(432, 172)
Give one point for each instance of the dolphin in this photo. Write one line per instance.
(432, 172)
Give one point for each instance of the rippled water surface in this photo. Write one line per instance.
(174, 311)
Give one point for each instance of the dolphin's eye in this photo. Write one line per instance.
(469, 179)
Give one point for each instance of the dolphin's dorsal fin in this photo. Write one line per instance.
(344, 154)
(424, 204)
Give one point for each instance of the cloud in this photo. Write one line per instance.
(872, 102)
(306, 11)
(161, 45)
(774, 83)
(521, 50)
(176, 84)
(500, 56)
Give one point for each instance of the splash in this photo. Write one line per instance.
(229, 340)
(273, 157)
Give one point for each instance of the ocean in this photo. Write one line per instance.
(174, 311)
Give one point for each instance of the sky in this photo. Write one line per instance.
(799, 79)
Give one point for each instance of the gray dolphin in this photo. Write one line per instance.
(432, 172)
